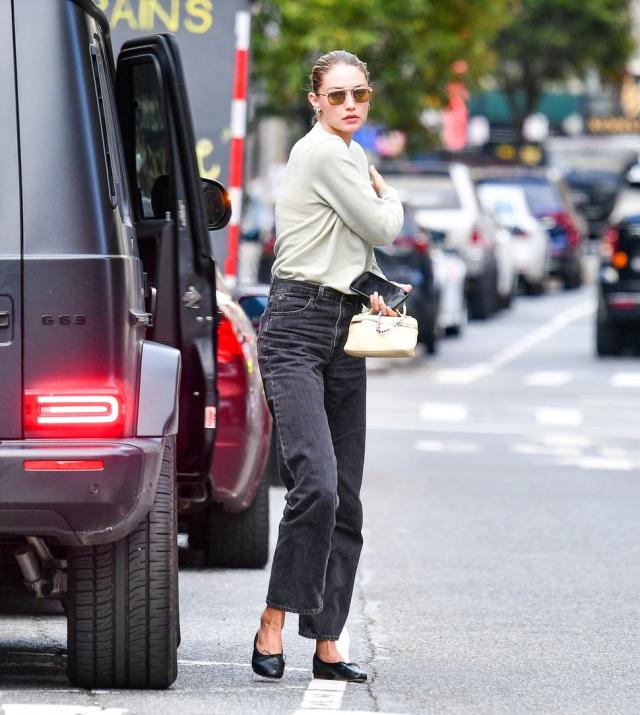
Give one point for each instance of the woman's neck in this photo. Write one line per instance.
(345, 136)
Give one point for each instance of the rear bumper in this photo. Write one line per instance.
(78, 507)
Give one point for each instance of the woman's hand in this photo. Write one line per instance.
(379, 306)
(376, 180)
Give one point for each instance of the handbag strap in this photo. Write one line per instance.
(381, 330)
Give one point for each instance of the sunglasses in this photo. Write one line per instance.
(338, 96)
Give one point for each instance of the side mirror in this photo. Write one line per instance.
(217, 204)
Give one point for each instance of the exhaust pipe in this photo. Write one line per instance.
(32, 573)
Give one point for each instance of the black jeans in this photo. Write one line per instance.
(317, 396)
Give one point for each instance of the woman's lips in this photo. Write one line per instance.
(351, 118)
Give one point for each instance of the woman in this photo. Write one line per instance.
(332, 211)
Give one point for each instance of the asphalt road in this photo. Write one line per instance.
(501, 567)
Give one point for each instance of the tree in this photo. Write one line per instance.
(409, 46)
(549, 41)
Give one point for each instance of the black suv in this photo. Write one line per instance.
(618, 314)
(107, 288)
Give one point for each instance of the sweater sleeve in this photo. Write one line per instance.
(342, 185)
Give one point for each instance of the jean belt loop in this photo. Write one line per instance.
(319, 295)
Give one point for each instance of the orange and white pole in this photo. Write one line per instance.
(238, 132)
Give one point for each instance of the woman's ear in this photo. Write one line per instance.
(313, 100)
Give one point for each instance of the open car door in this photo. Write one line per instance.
(173, 210)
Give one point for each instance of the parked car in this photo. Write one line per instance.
(408, 260)
(231, 520)
(618, 314)
(107, 290)
(550, 202)
(450, 273)
(529, 237)
(593, 168)
(445, 199)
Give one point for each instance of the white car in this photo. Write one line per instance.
(445, 200)
(528, 236)
(449, 274)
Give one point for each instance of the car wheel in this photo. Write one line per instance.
(239, 540)
(482, 301)
(572, 277)
(607, 337)
(122, 604)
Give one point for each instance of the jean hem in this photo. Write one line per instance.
(301, 611)
(317, 637)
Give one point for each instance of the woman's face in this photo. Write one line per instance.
(346, 118)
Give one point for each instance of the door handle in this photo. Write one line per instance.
(5, 318)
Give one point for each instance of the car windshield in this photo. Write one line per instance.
(542, 196)
(591, 159)
(504, 201)
(428, 191)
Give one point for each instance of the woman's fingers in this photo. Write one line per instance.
(379, 306)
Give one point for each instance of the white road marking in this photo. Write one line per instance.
(601, 463)
(443, 412)
(325, 696)
(426, 445)
(568, 440)
(212, 663)
(547, 378)
(45, 709)
(625, 379)
(547, 450)
(473, 373)
(562, 416)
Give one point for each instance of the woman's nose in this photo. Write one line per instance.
(350, 102)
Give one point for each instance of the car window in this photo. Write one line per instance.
(428, 192)
(151, 151)
(114, 160)
(503, 200)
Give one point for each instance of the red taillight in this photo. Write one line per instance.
(229, 346)
(476, 237)
(57, 413)
(564, 221)
(610, 243)
(63, 465)
(418, 243)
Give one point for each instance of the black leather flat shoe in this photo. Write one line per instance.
(268, 666)
(351, 672)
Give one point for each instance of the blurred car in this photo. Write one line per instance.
(450, 273)
(445, 199)
(550, 203)
(593, 168)
(529, 237)
(618, 314)
(408, 260)
(232, 524)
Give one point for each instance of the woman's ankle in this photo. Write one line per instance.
(272, 619)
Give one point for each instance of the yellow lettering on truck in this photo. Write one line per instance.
(202, 11)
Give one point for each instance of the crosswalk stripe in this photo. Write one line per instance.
(565, 416)
(625, 379)
(443, 412)
(548, 378)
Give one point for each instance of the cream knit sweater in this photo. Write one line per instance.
(328, 217)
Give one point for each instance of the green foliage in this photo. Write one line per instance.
(551, 40)
(409, 47)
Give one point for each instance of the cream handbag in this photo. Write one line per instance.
(376, 335)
